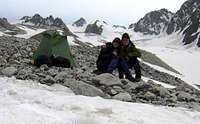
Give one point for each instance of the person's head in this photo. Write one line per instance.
(116, 42)
(125, 39)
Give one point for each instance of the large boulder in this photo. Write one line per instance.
(48, 80)
(183, 96)
(123, 97)
(62, 76)
(149, 96)
(9, 71)
(106, 79)
(81, 88)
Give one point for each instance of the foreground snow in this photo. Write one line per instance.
(25, 102)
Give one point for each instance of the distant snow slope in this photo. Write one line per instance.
(23, 102)
(108, 34)
(29, 32)
(184, 59)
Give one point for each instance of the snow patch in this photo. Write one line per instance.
(158, 82)
(1, 33)
(25, 102)
(70, 40)
(29, 32)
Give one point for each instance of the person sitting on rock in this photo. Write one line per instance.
(130, 53)
(116, 61)
(107, 53)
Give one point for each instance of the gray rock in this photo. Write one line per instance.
(12, 61)
(81, 88)
(9, 71)
(44, 67)
(62, 76)
(52, 72)
(149, 96)
(2, 61)
(107, 80)
(24, 73)
(123, 97)
(124, 81)
(113, 92)
(161, 91)
(183, 96)
(143, 87)
(118, 88)
(172, 99)
(48, 80)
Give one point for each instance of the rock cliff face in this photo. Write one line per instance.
(80, 23)
(96, 28)
(8, 28)
(48, 22)
(186, 20)
(153, 22)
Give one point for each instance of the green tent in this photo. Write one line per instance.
(52, 43)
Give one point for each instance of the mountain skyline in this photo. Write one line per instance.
(122, 12)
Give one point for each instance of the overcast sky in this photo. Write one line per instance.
(121, 12)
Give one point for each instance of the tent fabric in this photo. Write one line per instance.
(55, 45)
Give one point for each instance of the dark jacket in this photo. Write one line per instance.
(105, 56)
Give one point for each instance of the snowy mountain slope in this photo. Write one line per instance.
(186, 21)
(107, 35)
(153, 23)
(8, 28)
(184, 59)
(46, 23)
(29, 102)
(163, 47)
(158, 82)
(29, 31)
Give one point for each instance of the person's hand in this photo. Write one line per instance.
(114, 53)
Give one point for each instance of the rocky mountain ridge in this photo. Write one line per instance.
(8, 28)
(153, 23)
(80, 23)
(48, 22)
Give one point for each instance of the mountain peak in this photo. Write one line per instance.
(186, 20)
(153, 22)
(96, 27)
(48, 22)
(79, 23)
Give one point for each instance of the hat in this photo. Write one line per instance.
(125, 35)
(116, 40)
